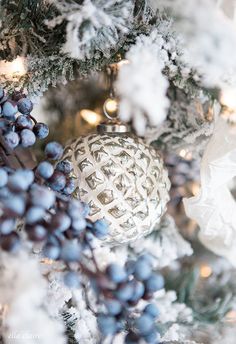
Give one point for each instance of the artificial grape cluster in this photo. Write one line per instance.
(122, 289)
(19, 129)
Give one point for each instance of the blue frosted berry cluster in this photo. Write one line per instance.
(122, 289)
(17, 125)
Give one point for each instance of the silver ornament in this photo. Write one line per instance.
(122, 179)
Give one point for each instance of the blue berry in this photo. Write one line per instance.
(100, 229)
(64, 166)
(130, 266)
(60, 222)
(42, 197)
(9, 109)
(15, 204)
(75, 209)
(3, 177)
(36, 233)
(71, 252)
(79, 224)
(151, 337)
(116, 273)
(54, 150)
(124, 292)
(24, 122)
(144, 324)
(138, 291)
(7, 226)
(25, 106)
(72, 279)
(142, 270)
(107, 325)
(57, 181)
(45, 169)
(52, 251)
(152, 310)
(10, 242)
(34, 214)
(21, 180)
(155, 282)
(27, 138)
(70, 187)
(113, 307)
(41, 130)
(12, 139)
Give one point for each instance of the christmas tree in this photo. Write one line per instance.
(117, 171)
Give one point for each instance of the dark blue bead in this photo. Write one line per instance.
(34, 214)
(152, 310)
(124, 292)
(71, 252)
(25, 106)
(138, 291)
(9, 109)
(70, 187)
(151, 338)
(107, 325)
(52, 251)
(27, 137)
(72, 280)
(142, 270)
(57, 181)
(42, 197)
(114, 307)
(144, 324)
(7, 226)
(64, 166)
(100, 229)
(54, 150)
(41, 130)
(155, 282)
(24, 122)
(45, 169)
(116, 273)
(12, 139)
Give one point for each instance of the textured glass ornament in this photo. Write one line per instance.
(122, 179)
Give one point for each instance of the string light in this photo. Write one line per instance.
(122, 63)
(185, 154)
(228, 98)
(92, 117)
(195, 189)
(111, 106)
(231, 317)
(13, 68)
(205, 271)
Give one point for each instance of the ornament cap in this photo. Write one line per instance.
(113, 127)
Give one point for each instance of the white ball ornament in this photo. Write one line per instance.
(122, 179)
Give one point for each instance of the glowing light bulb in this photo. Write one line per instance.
(228, 98)
(205, 271)
(231, 316)
(111, 105)
(14, 68)
(92, 117)
(185, 154)
(195, 188)
(122, 63)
